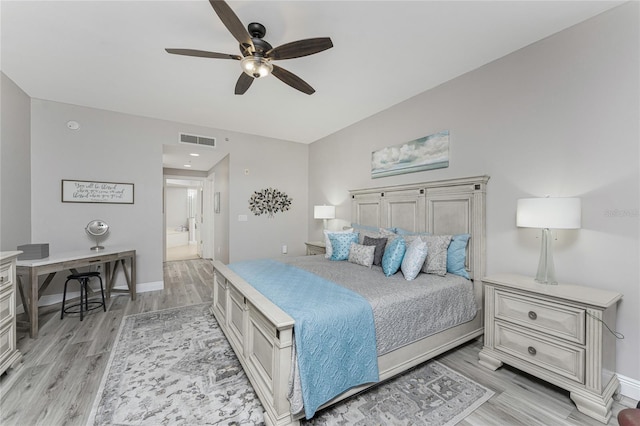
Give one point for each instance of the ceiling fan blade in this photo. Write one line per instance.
(232, 22)
(292, 80)
(243, 84)
(297, 49)
(203, 54)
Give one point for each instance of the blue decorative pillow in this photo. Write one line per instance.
(392, 258)
(327, 241)
(340, 244)
(414, 259)
(457, 255)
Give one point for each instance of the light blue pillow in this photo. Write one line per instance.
(414, 259)
(340, 244)
(457, 255)
(392, 258)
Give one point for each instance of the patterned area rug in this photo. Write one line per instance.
(175, 367)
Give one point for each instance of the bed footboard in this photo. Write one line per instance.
(261, 335)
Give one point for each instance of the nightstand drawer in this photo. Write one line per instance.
(554, 319)
(554, 356)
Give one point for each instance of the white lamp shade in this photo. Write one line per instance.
(553, 213)
(324, 212)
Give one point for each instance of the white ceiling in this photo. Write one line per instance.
(110, 55)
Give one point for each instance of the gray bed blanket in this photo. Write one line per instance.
(403, 311)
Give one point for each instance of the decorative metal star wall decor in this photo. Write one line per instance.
(269, 201)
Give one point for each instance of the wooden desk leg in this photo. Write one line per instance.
(33, 303)
(23, 298)
(133, 277)
(107, 278)
(130, 279)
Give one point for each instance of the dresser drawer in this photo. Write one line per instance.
(552, 355)
(7, 341)
(543, 316)
(6, 276)
(7, 307)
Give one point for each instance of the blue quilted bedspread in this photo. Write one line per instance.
(334, 328)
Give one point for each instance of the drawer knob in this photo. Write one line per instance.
(533, 315)
(532, 350)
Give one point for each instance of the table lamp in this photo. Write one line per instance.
(547, 214)
(324, 212)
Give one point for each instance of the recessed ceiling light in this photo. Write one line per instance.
(187, 165)
(193, 154)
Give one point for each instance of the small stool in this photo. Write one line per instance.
(83, 278)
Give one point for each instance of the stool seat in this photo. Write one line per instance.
(83, 274)
(83, 278)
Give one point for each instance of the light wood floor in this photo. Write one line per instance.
(62, 369)
(188, 252)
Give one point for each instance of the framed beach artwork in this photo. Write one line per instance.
(427, 153)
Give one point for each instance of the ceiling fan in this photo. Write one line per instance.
(257, 54)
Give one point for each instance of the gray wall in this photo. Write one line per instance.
(559, 117)
(259, 165)
(221, 220)
(15, 165)
(176, 207)
(119, 147)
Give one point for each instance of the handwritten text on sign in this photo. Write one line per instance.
(74, 191)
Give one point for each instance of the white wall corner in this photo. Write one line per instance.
(629, 387)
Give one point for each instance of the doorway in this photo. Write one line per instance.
(183, 218)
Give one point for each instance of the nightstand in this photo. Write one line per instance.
(556, 333)
(315, 247)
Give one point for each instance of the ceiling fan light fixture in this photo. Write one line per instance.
(256, 66)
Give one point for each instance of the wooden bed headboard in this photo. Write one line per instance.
(452, 206)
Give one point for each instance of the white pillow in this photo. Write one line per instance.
(327, 241)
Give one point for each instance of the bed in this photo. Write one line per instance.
(262, 334)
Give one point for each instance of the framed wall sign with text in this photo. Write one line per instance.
(83, 191)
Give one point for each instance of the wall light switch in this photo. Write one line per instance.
(284, 249)
(242, 218)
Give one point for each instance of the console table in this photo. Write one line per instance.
(110, 257)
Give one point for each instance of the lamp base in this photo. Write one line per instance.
(546, 270)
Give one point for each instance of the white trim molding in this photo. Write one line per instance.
(629, 387)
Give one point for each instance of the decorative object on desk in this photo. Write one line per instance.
(547, 214)
(82, 191)
(97, 228)
(269, 201)
(33, 251)
(427, 153)
(324, 213)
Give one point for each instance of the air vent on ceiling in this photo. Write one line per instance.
(197, 140)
